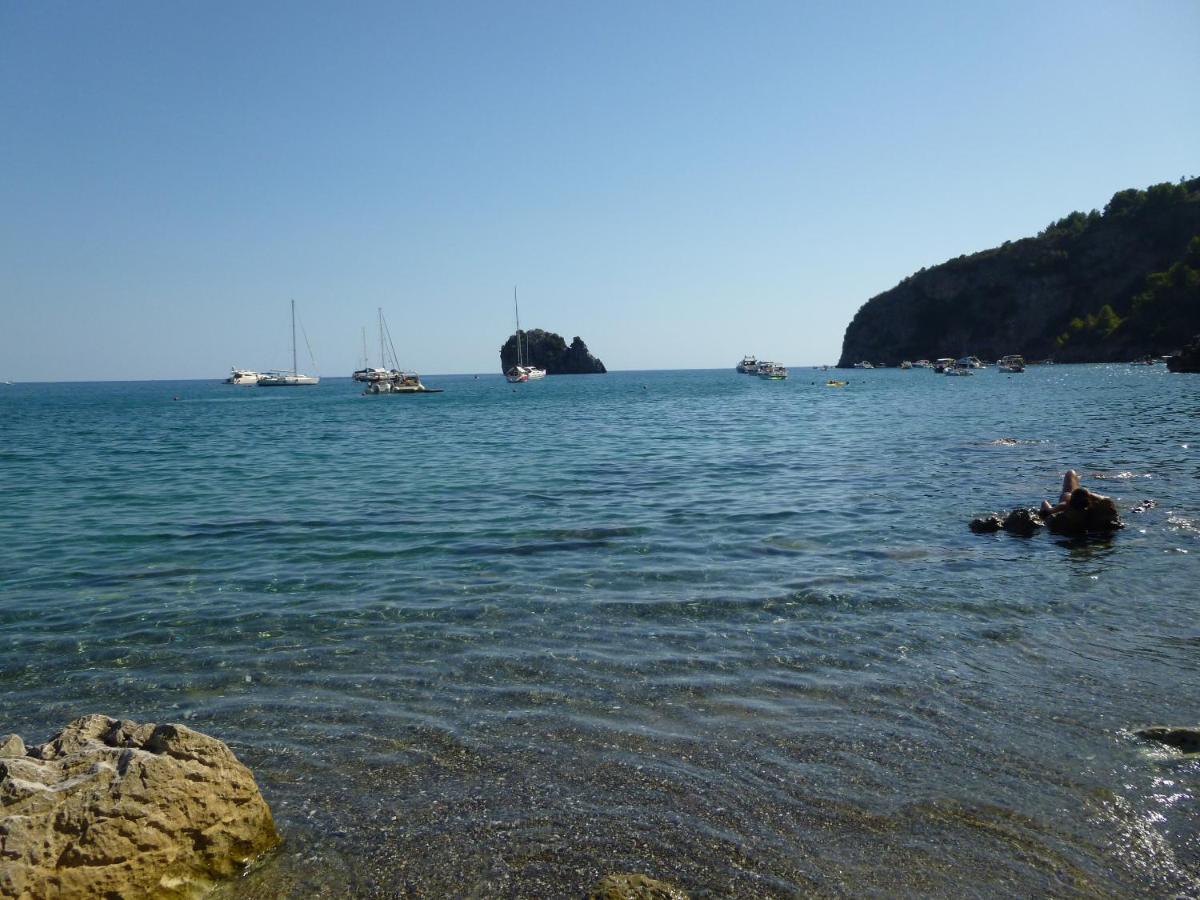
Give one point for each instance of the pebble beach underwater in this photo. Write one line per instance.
(731, 633)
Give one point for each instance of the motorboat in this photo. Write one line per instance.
(772, 371)
(906, 364)
(922, 364)
(748, 366)
(292, 378)
(1012, 363)
(863, 365)
(942, 364)
(243, 376)
(960, 367)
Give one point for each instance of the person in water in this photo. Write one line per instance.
(1079, 510)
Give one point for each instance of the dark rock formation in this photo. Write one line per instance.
(1185, 739)
(549, 351)
(1023, 522)
(111, 808)
(987, 524)
(634, 887)
(1111, 286)
(1095, 514)
(1187, 359)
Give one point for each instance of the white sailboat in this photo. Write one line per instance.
(293, 378)
(522, 371)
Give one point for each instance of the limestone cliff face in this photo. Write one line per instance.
(549, 351)
(1084, 290)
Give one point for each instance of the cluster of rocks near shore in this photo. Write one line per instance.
(1097, 518)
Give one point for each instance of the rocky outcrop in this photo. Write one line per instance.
(1023, 522)
(1187, 359)
(1097, 516)
(634, 887)
(1092, 287)
(1185, 739)
(549, 351)
(1094, 514)
(110, 808)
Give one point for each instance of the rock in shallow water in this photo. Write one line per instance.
(987, 524)
(1185, 739)
(110, 808)
(634, 887)
(1023, 522)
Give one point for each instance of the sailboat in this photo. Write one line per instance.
(394, 380)
(293, 378)
(523, 370)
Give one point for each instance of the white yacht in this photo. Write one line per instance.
(1012, 363)
(292, 378)
(863, 365)
(243, 376)
(523, 370)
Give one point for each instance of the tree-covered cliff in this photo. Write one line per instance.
(1092, 287)
(549, 351)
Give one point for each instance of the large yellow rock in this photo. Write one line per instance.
(111, 808)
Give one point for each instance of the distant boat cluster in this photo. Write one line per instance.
(379, 379)
(772, 371)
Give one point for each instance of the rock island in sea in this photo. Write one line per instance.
(550, 351)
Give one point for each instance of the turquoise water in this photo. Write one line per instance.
(728, 632)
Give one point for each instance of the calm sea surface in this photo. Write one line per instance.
(731, 633)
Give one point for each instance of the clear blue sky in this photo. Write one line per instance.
(677, 183)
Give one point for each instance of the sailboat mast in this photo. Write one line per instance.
(294, 367)
(517, 313)
(366, 359)
(382, 355)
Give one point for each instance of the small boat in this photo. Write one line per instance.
(772, 371)
(922, 364)
(863, 365)
(292, 378)
(748, 366)
(523, 370)
(1012, 363)
(961, 367)
(942, 364)
(243, 376)
(833, 383)
(906, 365)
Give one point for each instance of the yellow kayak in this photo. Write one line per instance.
(832, 383)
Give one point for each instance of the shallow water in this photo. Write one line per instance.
(727, 632)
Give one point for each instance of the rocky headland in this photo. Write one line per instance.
(550, 351)
(1187, 359)
(110, 808)
(1107, 286)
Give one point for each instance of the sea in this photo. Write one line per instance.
(730, 633)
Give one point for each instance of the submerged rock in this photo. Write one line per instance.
(110, 808)
(1023, 522)
(634, 887)
(1185, 739)
(987, 524)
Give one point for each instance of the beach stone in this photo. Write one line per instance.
(1185, 739)
(620, 886)
(1023, 522)
(987, 524)
(1100, 515)
(111, 808)
(11, 745)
